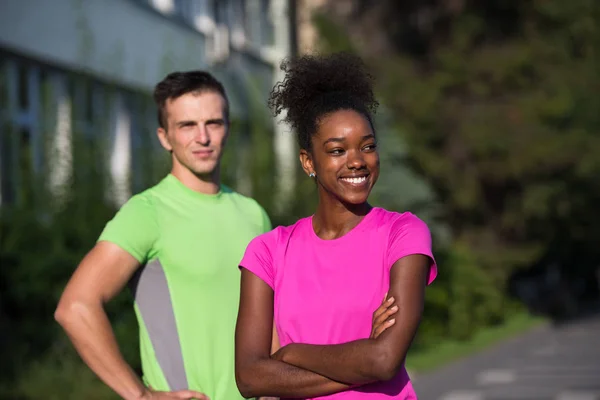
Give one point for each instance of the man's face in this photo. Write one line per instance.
(196, 131)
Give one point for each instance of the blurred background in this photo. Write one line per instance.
(489, 128)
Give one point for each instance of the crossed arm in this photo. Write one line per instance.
(256, 373)
(302, 370)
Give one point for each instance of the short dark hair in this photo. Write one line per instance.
(317, 85)
(177, 84)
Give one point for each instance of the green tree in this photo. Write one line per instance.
(497, 101)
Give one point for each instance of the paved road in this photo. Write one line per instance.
(548, 363)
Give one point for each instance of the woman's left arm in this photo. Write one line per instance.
(367, 360)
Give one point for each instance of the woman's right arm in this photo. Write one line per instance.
(255, 372)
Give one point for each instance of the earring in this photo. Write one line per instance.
(312, 174)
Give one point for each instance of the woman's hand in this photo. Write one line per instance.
(381, 317)
(381, 322)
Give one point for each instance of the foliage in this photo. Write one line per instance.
(422, 359)
(497, 103)
(57, 375)
(42, 239)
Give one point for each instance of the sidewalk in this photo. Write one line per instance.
(547, 363)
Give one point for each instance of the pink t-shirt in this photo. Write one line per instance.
(325, 291)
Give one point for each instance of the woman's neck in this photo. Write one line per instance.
(333, 219)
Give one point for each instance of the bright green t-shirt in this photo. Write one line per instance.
(187, 291)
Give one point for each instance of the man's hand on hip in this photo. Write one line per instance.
(179, 394)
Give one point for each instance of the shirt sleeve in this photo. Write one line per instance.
(410, 235)
(133, 228)
(258, 258)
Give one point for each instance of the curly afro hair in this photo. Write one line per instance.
(317, 85)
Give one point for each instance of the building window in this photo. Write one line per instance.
(4, 164)
(266, 34)
(259, 23)
(203, 15)
(46, 114)
(144, 149)
(22, 87)
(239, 23)
(22, 146)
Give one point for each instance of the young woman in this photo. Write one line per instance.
(322, 278)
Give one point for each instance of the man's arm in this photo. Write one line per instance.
(256, 373)
(367, 360)
(99, 277)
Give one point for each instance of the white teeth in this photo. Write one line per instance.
(355, 180)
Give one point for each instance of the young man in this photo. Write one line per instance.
(178, 244)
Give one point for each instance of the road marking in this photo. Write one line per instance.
(546, 351)
(496, 377)
(577, 396)
(463, 395)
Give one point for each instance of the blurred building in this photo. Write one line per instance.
(307, 33)
(84, 70)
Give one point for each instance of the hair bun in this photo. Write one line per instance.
(311, 78)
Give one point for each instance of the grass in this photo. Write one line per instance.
(429, 358)
(58, 377)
